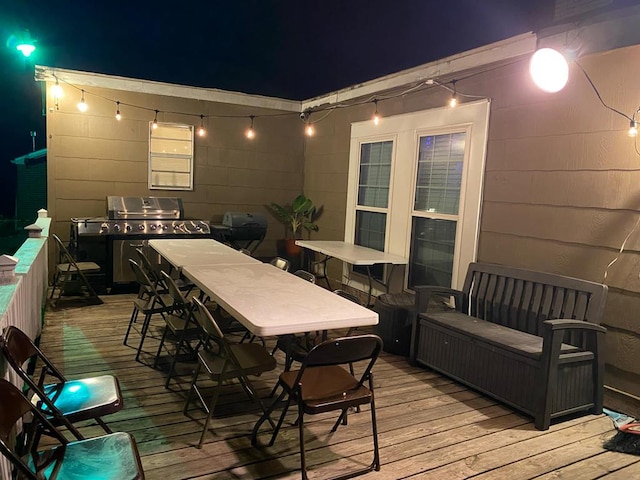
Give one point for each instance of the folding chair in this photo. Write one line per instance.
(68, 272)
(180, 324)
(109, 457)
(155, 275)
(64, 402)
(281, 263)
(223, 361)
(149, 302)
(322, 385)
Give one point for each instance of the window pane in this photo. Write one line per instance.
(171, 156)
(375, 172)
(432, 249)
(370, 232)
(440, 161)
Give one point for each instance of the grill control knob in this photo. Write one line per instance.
(141, 226)
(164, 227)
(116, 228)
(153, 226)
(128, 227)
(104, 227)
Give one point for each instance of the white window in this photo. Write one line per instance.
(170, 157)
(415, 185)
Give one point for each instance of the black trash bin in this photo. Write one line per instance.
(395, 312)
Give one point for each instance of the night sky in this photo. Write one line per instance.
(292, 49)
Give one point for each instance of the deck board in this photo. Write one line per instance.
(429, 425)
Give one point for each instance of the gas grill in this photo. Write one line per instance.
(130, 222)
(241, 230)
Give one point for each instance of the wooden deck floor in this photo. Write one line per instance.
(429, 426)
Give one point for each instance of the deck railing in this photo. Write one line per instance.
(22, 302)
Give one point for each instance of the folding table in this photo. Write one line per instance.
(355, 255)
(181, 252)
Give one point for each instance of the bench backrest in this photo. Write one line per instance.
(523, 299)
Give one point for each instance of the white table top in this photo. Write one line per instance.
(350, 253)
(269, 301)
(181, 252)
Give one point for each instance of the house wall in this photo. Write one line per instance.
(91, 156)
(561, 186)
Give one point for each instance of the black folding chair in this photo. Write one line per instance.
(223, 361)
(323, 385)
(69, 273)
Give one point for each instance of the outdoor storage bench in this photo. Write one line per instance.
(528, 339)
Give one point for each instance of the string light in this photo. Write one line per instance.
(82, 105)
(250, 133)
(201, 131)
(155, 121)
(57, 93)
(376, 115)
(118, 116)
(453, 101)
(633, 129)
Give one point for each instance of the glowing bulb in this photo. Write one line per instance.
(309, 130)
(453, 101)
(376, 119)
(250, 133)
(118, 116)
(201, 130)
(82, 105)
(549, 70)
(155, 121)
(26, 49)
(633, 129)
(56, 91)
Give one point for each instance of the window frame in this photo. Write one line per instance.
(190, 157)
(405, 131)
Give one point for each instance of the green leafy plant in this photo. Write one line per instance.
(297, 216)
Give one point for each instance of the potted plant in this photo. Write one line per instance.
(297, 216)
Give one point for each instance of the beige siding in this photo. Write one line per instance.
(92, 155)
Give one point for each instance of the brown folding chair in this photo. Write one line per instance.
(223, 361)
(323, 385)
(109, 457)
(64, 402)
(69, 272)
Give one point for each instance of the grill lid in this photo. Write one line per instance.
(144, 208)
(245, 226)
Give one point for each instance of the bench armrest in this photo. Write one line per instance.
(567, 324)
(424, 294)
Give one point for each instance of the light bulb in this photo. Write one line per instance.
(549, 70)
(155, 121)
(26, 49)
(453, 101)
(309, 130)
(56, 91)
(82, 105)
(250, 133)
(376, 115)
(201, 131)
(633, 129)
(118, 116)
